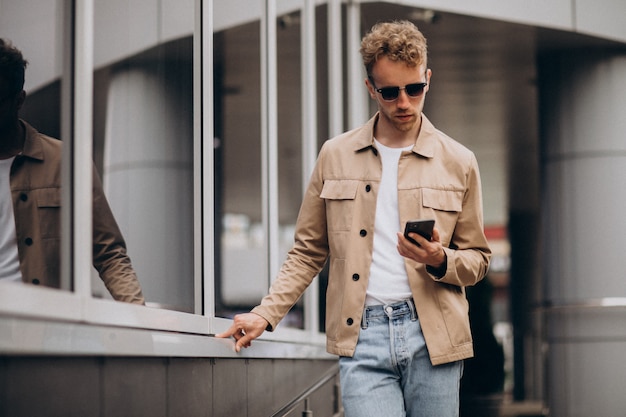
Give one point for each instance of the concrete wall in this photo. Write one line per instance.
(584, 201)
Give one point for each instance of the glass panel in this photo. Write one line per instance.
(289, 162)
(30, 220)
(323, 124)
(143, 139)
(241, 243)
(241, 277)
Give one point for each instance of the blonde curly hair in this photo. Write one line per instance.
(397, 40)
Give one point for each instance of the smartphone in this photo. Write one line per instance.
(423, 228)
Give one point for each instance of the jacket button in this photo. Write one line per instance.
(349, 321)
(368, 188)
(363, 232)
(28, 241)
(23, 196)
(35, 281)
(355, 277)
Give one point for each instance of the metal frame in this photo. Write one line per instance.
(269, 134)
(204, 172)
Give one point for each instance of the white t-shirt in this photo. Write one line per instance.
(388, 282)
(9, 259)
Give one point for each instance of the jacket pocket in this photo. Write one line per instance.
(445, 207)
(49, 211)
(444, 200)
(339, 196)
(455, 309)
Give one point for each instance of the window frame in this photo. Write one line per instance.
(35, 308)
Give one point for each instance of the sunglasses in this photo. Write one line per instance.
(392, 93)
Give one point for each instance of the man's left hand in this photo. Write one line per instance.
(429, 252)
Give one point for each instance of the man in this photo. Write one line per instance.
(396, 312)
(30, 191)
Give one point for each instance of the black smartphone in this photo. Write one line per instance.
(423, 228)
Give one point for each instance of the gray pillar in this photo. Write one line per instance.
(148, 176)
(584, 223)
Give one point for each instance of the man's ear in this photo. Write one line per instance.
(370, 88)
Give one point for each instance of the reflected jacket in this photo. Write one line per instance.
(36, 193)
(438, 179)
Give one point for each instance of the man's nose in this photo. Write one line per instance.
(404, 100)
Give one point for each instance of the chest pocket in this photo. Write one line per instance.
(443, 200)
(340, 198)
(49, 211)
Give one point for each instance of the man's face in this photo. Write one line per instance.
(403, 113)
(10, 104)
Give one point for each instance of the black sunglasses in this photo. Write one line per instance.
(392, 93)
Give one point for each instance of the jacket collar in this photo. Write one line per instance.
(425, 144)
(33, 147)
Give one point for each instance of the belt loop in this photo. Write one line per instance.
(364, 319)
(411, 305)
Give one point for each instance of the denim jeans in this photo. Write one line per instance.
(390, 374)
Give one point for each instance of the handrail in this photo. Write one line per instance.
(287, 408)
(593, 303)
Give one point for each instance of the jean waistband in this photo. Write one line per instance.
(406, 307)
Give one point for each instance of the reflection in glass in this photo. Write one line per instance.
(242, 272)
(34, 186)
(143, 140)
(289, 162)
(241, 254)
(241, 242)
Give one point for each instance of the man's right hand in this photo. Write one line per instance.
(245, 328)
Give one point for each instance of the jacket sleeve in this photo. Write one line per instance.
(305, 259)
(109, 251)
(468, 254)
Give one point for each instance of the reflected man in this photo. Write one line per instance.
(30, 191)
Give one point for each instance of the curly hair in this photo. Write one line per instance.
(12, 66)
(397, 40)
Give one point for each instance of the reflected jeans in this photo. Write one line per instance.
(390, 374)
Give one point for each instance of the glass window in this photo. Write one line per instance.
(36, 28)
(242, 276)
(289, 164)
(241, 254)
(242, 245)
(143, 140)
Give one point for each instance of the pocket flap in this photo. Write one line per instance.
(340, 189)
(48, 197)
(446, 200)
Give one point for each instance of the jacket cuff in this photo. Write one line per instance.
(440, 272)
(260, 312)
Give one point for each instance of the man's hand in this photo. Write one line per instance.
(245, 328)
(430, 252)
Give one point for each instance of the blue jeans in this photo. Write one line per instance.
(390, 374)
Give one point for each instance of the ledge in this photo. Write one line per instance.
(27, 336)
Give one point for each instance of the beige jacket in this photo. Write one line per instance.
(438, 179)
(36, 193)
